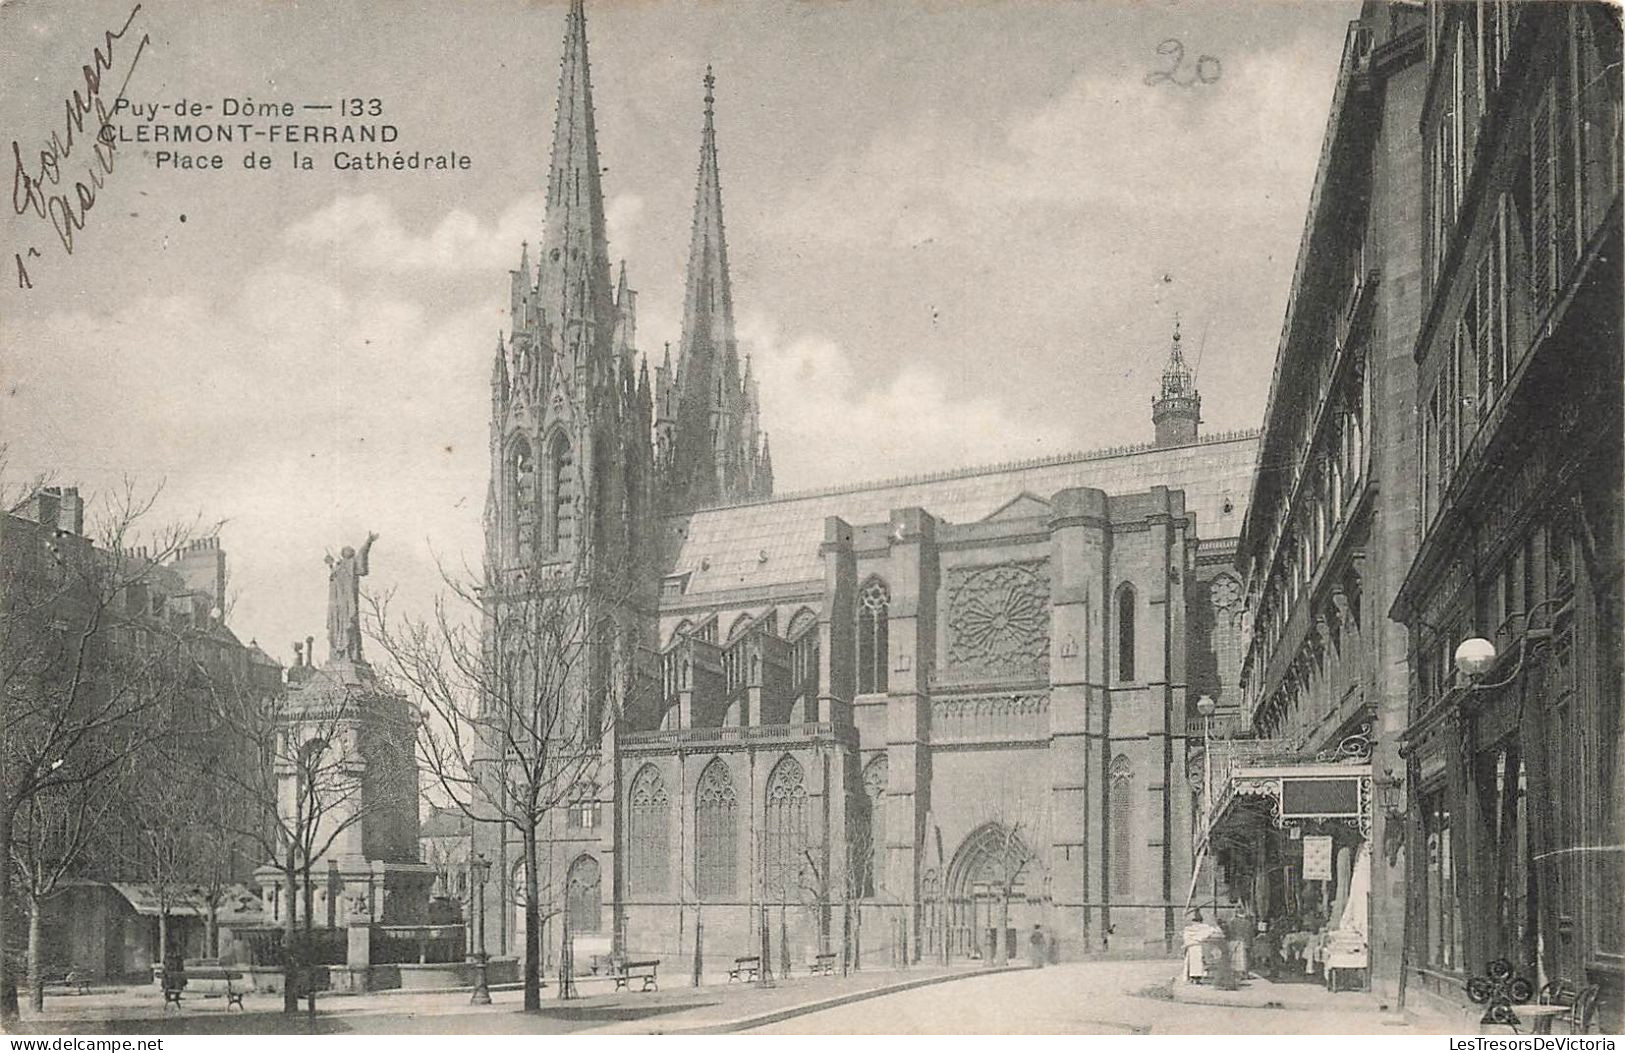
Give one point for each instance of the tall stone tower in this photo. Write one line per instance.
(711, 448)
(1177, 408)
(571, 411)
(570, 507)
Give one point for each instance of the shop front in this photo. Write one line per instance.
(1292, 841)
(1515, 853)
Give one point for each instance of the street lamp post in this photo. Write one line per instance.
(479, 869)
(1207, 707)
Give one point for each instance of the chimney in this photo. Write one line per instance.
(46, 507)
(310, 650)
(71, 517)
(202, 565)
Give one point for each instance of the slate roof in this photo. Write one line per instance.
(775, 542)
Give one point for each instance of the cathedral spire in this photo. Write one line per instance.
(712, 427)
(1176, 410)
(573, 265)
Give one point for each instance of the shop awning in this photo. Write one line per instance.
(1310, 790)
(1283, 793)
(238, 903)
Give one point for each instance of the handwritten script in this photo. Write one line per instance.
(1205, 70)
(39, 182)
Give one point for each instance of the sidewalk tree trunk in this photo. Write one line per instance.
(290, 931)
(36, 954)
(533, 922)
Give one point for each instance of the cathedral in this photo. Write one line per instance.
(899, 721)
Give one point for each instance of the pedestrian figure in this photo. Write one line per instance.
(1035, 946)
(1196, 934)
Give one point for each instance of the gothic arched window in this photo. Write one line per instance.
(1125, 633)
(786, 827)
(562, 479)
(875, 777)
(520, 518)
(1122, 820)
(803, 637)
(1225, 592)
(716, 833)
(582, 811)
(649, 831)
(583, 897)
(873, 601)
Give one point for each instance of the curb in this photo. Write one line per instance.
(728, 1027)
(720, 1028)
(1177, 998)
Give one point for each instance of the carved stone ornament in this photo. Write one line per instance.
(998, 621)
(1226, 593)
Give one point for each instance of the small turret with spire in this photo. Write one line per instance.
(1176, 410)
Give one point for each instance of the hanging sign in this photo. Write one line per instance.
(1317, 858)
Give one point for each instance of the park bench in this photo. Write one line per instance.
(72, 981)
(207, 983)
(747, 968)
(626, 972)
(821, 964)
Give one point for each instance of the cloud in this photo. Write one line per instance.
(829, 424)
(300, 411)
(364, 231)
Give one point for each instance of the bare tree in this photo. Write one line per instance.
(179, 832)
(295, 774)
(819, 892)
(162, 849)
(49, 843)
(90, 671)
(519, 681)
(1015, 857)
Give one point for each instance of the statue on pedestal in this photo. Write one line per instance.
(344, 576)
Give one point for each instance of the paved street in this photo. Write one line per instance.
(1118, 997)
(717, 1006)
(1097, 998)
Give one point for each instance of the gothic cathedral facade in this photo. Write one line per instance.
(900, 721)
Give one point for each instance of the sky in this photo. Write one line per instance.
(958, 233)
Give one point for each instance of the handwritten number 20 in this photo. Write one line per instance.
(1205, 71)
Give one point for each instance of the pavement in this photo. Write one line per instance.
(715, 1008)
(1092, 997)
(1261, 993)
(1108, 997)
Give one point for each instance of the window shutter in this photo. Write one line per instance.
(1542, 269)
(1566, 161)
(1499, 300)
(1484, 346)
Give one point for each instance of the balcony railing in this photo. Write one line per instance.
(703, 738)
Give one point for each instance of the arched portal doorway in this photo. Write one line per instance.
(987, 889)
